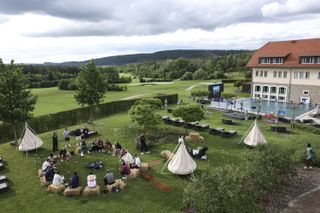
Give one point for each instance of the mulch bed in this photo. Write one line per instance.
(163, 187)
(146, 176)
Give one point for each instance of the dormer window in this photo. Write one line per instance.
(310, 60)
(271, 60)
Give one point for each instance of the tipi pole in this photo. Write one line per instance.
(168, 160)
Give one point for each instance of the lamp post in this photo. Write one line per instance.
(293, 114)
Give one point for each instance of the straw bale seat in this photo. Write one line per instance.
(40, 173)
(144, 167)
(167, 154)
(118, 183)
(91, 191)
(194, 136)
(43, 182)
(72, 191)
(56, 188)
(134, 173)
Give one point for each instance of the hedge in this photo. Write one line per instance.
(307, 128)
(63, 119)
(229, 80)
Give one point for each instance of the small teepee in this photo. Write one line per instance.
(29, 140)
(182, 163)
(254, 136)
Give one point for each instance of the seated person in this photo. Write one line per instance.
(57, 179)
(198, 153)
(49, 174)
(84, 146)
(109, 178)
(100, 145)
(52, 158)
(118, 148)
(94, 147)
(85, 132)
(126, 157)
(91, 180)
(74, 180)
(46, 164)
(108, 146)
(137, 162)
(63, 154)
(124, 170)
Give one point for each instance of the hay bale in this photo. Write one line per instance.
(144, 167)
(56, 188)
(134, 173)
(118, 183)
(40, 173)
(43, 182)
(72, 191)
(167, 154)
(91, 191)
(194, 136)
(77, 151)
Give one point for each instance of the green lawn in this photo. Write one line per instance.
(51, 100)
(139, 195)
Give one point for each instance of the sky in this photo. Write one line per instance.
(37, 31)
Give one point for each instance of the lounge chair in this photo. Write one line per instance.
(1, 165)
(227, 121)
(275, 128)
(201, 127)
(166, 120)
(228, 133)
(216, 131)
(193, 125)
(4, 187)
(177, 122)
(3, 178)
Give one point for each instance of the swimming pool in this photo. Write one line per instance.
(288, 110)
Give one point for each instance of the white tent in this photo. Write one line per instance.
(254, 136)
(182, 163)
(29, 140)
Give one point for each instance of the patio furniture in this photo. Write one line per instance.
(227, 121)
(92, 133)
(216, 131)
(201, 127)
(1, 165)
(177, 122)
(228, 133)
(281, 129)
(192, 125)
(0, 159)
(4, 187)
(166, 120)
(235, 115)
(3, 178)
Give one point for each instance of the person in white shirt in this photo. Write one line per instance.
(180, 140)
(137, 162)
(91, 180)
(66, 137)
(57, 179)
(45, 165)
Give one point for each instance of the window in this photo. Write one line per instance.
(257, 73)
(310, 60)
(296, 74)
(307, 75)
(305, 92)
(273, 89)
(265, 73)
(271, 60)
(282, 90)
(279, 74)
(301, 74)
(265, 96)
(281, 98)
(257, 95)
(265, 89)
(257, 88)
(273, 97)
(274, 74)
(261, 73)
(285, 74)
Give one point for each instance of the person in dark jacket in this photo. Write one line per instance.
(49, 174)
(143, 144)
(74, 180)
(109, 178)
(55, 141)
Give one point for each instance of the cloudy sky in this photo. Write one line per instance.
(36, 31)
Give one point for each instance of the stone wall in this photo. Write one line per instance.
(296, 93)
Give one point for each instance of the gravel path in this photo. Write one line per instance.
(196, 85)
(133, 97)
(304, 181)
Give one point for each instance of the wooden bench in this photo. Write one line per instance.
(227, 121)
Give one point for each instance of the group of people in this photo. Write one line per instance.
(55, 140)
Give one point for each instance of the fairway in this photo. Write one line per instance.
(51, 100)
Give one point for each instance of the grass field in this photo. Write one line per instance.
(26, 195)
(51, 100)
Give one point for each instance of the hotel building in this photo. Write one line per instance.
(287, 71)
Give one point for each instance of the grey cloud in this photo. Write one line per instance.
(142, 17)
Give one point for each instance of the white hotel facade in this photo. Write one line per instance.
(287, 71)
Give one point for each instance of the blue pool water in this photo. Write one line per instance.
(288, 110)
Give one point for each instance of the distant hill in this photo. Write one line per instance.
(144, 57)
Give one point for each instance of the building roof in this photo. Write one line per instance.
(291, 50)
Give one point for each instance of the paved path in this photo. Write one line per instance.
(133, 97)
(196, 85)
(308, 202)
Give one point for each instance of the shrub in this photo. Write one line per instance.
(187, 76)
(307, 127)
(114, 87)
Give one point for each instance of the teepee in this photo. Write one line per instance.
(254, 136)
(182, 163)
(29, 140)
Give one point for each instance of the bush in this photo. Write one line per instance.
(229, 80)
(187, 76)
(59, 120)
(114, 87)
(307, 127)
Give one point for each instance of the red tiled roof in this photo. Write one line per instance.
(292, 50)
